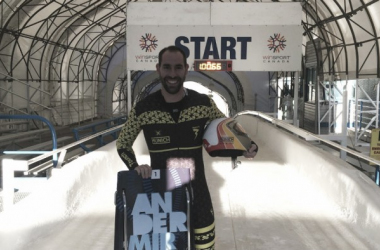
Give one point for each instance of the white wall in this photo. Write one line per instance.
(356, 196)
(60, 198)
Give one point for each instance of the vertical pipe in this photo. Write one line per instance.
(277, 95)
(318, 115)
(68, 97)
(377, 105)
(356, 112)
(129, 91)
(295, 99)
(93, 103)
(331, 102)
(61, 98)
(349, 114)
(343, 142)
(28, 108)
(361, 115)
(79, 100)
(129, 84)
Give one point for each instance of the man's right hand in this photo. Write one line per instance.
(144, 170)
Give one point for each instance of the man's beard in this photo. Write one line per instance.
(172, 89)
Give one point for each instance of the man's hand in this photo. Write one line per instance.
(251, 152)
(144, 170)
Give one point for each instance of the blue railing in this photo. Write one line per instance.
(34, 117)
(93, 128)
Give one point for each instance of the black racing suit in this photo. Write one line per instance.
(173, 133)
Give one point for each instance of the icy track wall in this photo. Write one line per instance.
(60, 197)
(356, 196)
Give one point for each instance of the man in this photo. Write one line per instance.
(178, 116)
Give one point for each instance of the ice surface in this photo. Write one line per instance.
(291, 196)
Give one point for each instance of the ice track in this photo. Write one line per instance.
(292, 196)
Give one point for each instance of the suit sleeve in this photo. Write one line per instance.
(127, 136)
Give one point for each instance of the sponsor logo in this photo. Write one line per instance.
(146, 59)
(276, 59)
(227, 139)
(161, 140)
(196, 131)
(148, 43)
(276, 43)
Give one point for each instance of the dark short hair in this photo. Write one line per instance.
(171, 48)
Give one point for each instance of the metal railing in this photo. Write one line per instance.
(313, 137)
(290, 128)
(93, 128)
(34, 117)
(22, 165)
(285, 125)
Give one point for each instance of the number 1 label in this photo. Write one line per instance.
(155, 174)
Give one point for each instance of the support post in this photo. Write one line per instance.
(343, 142)
(295, 99)
(129, 91)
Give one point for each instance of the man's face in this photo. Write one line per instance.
(172, 71)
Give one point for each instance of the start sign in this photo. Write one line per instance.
(253, 36)
(250, 48)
